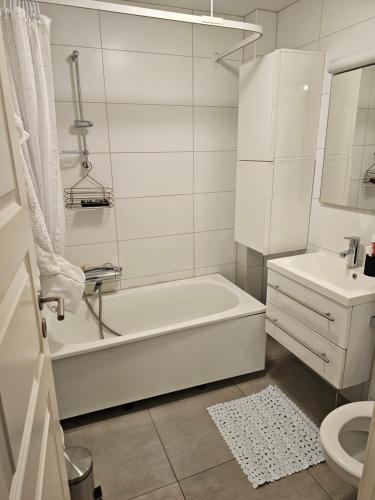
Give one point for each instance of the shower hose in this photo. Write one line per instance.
(99, 316)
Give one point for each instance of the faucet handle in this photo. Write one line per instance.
(354, 239)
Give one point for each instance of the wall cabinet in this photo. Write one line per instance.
(279, 104)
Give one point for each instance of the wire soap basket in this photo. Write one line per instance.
(87, 192)
(369, 178)
(83, 196)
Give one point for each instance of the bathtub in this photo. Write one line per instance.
(174, 335)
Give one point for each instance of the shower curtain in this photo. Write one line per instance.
(27, 46)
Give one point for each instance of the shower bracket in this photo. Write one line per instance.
(83, 124)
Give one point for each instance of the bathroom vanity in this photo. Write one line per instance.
(323, 313)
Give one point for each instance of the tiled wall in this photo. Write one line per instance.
(164, 136)
(338, 28)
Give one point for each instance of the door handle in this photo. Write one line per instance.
(60, 304)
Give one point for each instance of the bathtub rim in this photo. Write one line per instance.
(247, 306)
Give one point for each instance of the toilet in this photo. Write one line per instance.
(343, 434)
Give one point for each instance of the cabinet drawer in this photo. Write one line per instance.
(318, 353)
(329, 319)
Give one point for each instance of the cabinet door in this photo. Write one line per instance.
(256, 109)
(298, 104)
(292, 186)
(253, 204)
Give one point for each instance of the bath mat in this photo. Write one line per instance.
(269, 436)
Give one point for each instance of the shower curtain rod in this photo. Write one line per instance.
(257, 31)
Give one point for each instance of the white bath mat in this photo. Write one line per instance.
(269, 436)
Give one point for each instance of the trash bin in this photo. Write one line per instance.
(79, 466)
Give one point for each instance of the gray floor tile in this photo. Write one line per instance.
(311, 393)
(188, 433)
(129, 459)
(334, 486)
(275, 350)
(228, 482)
(171, 492)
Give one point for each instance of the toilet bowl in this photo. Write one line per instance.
(343, 435)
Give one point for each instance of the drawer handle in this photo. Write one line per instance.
(325, 315)
(321, 355)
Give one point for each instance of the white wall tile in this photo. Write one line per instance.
(354, 39)
(134, 77)
(329, 225)
(92, 255)
(69, 137)
(313, 46)
(299, 24)
(226, 270)
(339, 14)
(214, 171)
(125, 32)
(156, 278)
(213, 211)
(155, 216)
(151, 256)
(91, 74)
(90, 226)
(215, 84)
(215, 129)
(72, 170)
(151, 148)
(267, 43)
(139, 128)
(152, 174)
(213, 248)
(210, 39)
(73, 26)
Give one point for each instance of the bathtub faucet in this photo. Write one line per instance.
(99, 274)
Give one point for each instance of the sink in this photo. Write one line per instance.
(327, 275)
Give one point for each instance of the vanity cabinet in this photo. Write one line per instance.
(335, 340)
(278, 115)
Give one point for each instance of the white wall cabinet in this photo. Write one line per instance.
(279, 103)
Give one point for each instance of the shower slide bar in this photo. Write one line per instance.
(211, 20)
(81, 123)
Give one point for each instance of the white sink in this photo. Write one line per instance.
(327, 275)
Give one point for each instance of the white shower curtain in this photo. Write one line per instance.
(27, 46)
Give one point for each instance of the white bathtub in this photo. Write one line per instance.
(175, 335)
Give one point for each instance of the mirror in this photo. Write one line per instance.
(348, 177)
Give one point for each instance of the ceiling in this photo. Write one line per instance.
(234, 7)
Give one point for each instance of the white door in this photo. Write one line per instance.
(31, 453)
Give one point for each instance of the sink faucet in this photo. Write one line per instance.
(352, 252)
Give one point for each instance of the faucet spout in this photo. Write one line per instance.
(352, 252)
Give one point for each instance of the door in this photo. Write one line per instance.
(31, 453)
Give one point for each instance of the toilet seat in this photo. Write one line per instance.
(331, 428)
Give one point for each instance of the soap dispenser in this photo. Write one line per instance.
(369, 269)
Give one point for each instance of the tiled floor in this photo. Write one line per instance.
(168, 448)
